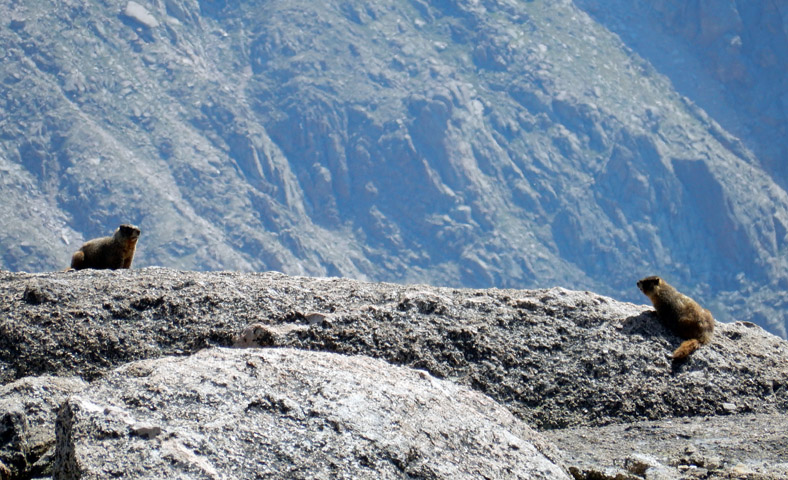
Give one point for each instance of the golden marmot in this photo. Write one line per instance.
(680, 314)
(112, 252)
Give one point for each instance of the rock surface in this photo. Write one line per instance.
(27, 423)
(714, 448)
(284, 413)
(593, 372)
(555, 357)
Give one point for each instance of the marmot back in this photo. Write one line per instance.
(680, 314)
(112, 252)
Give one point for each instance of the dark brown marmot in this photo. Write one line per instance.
(112, 252)
(681, 314)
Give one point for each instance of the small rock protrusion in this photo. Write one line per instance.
(255, 335)
(146, 430)
(35, 295)
(262, 335)
(317, 318)
(729, 408)
(140, 14)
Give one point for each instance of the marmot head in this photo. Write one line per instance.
(128, 231)
(649, 284)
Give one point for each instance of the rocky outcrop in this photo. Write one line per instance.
(284, 413)
(27, 422)
(555, 357)
(565, 362)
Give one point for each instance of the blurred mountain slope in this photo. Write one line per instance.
(495, 143)
(730, 57)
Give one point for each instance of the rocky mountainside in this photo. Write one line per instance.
(460, 143)
(730, 57)
(157, 377)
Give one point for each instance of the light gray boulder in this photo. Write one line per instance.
(284, 413)
(27, 423)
